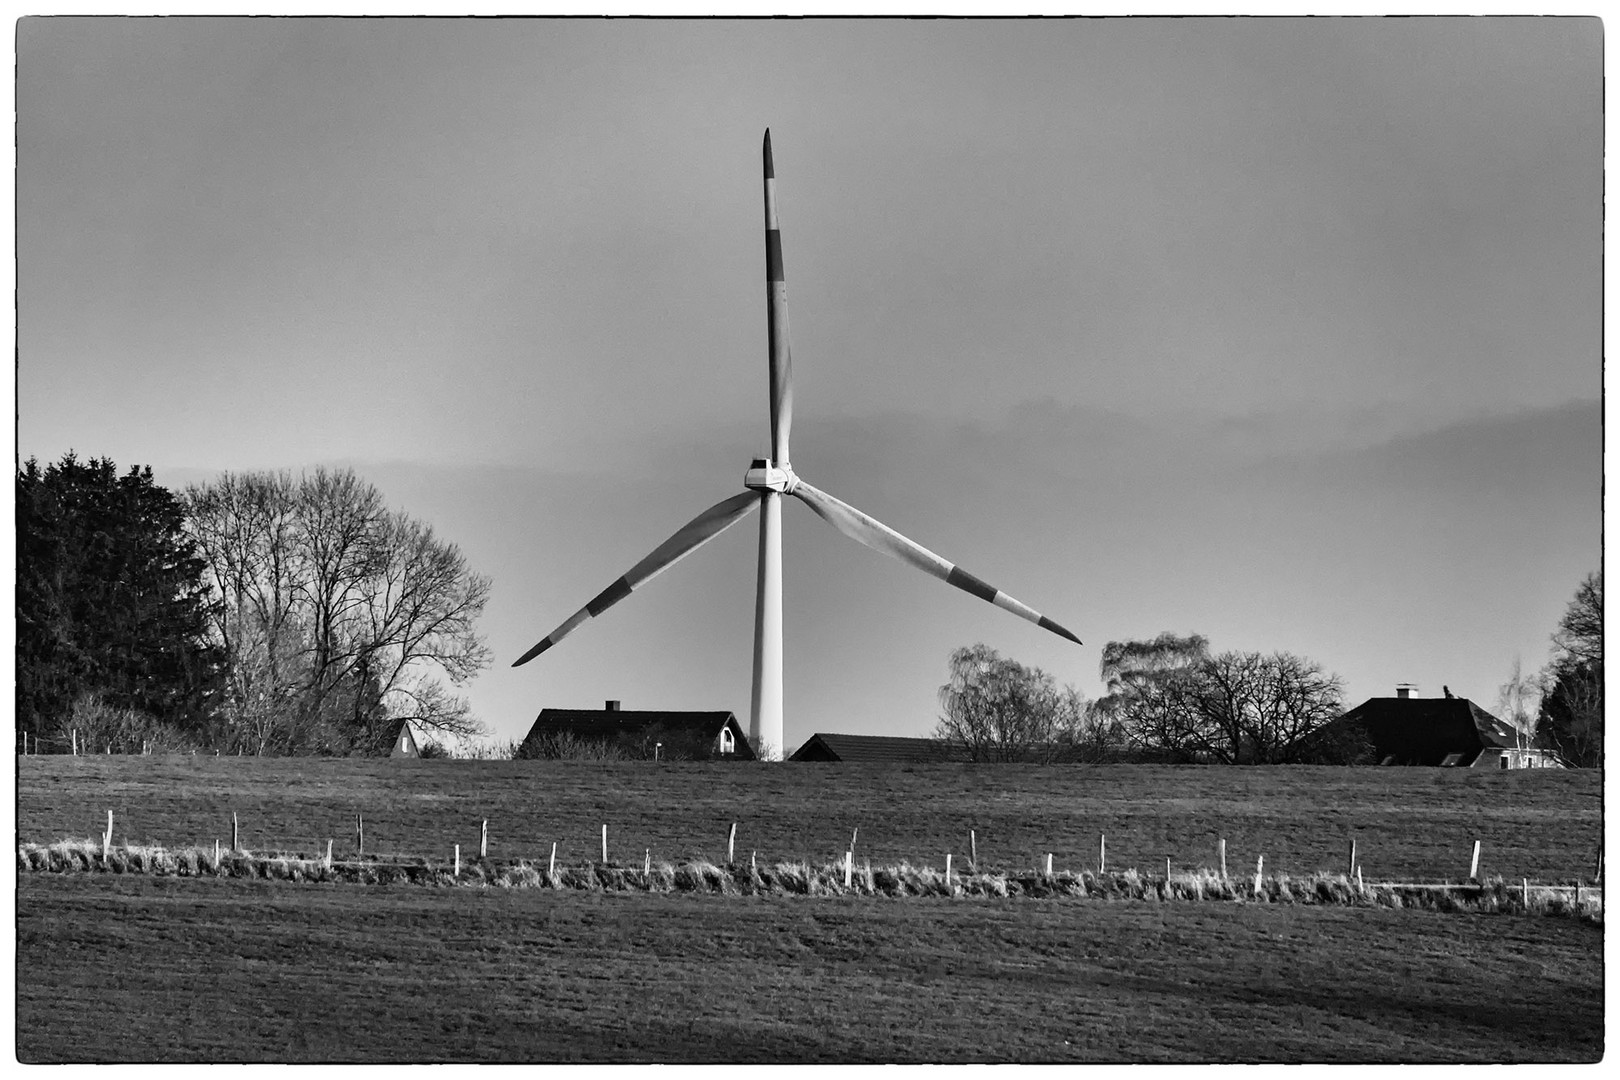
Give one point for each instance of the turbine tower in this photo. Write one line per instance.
(767, 480)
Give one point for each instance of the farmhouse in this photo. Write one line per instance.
(1449, 731)
(665, 734)
(827, 746)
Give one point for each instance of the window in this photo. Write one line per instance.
(1504, 760)
(728, 742)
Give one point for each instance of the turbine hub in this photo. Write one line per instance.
(765, 475)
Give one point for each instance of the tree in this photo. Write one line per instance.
(1178, 701)
(996, 709)
(111, 603)
(1148, 683)
(1517, 702)
(1570, 720)
(339, 617)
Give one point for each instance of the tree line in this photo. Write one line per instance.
(259, 613)
(1171, 699)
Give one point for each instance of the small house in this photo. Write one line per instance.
(828, 746)
(1444, 731)
(615, 732)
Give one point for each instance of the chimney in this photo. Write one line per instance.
(1403, 691)
(613, 705)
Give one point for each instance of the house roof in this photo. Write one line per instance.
(612, 723)
(829, 746)
(1425, 731)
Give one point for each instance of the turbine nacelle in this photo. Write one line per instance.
(766, 475)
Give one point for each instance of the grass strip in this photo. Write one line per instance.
(1493, 895)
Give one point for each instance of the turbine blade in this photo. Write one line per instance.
(691, 536)
(776, 320)
(874, 534)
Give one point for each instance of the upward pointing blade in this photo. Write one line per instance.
(874, 534)
(691, 536)
(776, 320)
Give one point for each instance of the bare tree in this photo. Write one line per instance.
(996, 709)
(338, 615)
(1518, 702)
(1570, 719)
(1149, 685)
(1176, 699)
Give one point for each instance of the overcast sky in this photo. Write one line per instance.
(1286, 332)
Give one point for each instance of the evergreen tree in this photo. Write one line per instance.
(110, 599)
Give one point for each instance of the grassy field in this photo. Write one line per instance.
(152, 969)
(1409, 824)
(122, 968)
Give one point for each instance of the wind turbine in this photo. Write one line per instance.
(766, 481)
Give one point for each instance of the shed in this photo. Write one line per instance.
(406, 741)
(828, 746)
(1443, 731)
(638, 733)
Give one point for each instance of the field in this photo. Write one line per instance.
(1409, 824)
(115, 968)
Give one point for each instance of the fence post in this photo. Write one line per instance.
(1102, 853)
(646, 865)
(1527, 896)
(360, 834)
(753, 861)
(483, 839)
(1360, 888)
(1223, 858)
(1048, 866)
(235, 846)
(106, 839)
(973, 850)
(216, 854)
(457, 871)
(1167, 875)
(1473, 866)
(329, 853)
(849, 866)
(604, 843)
(1259, 870)
(854, 833)
(948, 886)
(1352, 868)
(73, 733)
(731, 845)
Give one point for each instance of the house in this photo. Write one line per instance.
(827, 746)
(1444, 731)
(618, 732)
(407, 743)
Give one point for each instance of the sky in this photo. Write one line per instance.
(1286, 332)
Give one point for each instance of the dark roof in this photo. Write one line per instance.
(827, 746)
(1425, 731)
(612, 724)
